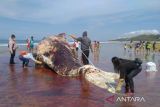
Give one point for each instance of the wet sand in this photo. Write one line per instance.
(40, 87)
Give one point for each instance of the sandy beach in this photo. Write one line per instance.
(41, 87)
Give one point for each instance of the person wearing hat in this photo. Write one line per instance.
(25, 56)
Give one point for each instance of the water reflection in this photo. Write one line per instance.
(147, 57)
(150, 75)
(43, 87)
(12, 77)
(85, 88)
(85, 91)
(96, 54)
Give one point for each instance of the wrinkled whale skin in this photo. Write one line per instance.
(62, 61)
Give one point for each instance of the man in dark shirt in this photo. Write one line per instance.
(85, 46)
(127, 69)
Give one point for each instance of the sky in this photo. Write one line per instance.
(102, 19)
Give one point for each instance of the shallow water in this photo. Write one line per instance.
(40, 87)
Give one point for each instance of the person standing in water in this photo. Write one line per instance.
(75, 47)
(85, 46)
(28, 43)
(125, 47)
(96, 51)
(98, 47)
(154, 46)
(94, 46)
(76, 43)
(12, 48)
(31, 44)
(148, 47)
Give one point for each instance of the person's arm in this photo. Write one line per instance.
(11, 47)
(121, 80)
(15, 46)
(47, 60)
(119, 86)
(36, 61)
(75, 38)
(30, 56)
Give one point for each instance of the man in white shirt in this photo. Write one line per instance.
(12, 48)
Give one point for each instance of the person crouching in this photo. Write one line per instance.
(25, 56)
(127, 69)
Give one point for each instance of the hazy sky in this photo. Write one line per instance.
(103, 19)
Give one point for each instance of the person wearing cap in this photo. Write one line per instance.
(85, 46)
(25, 56)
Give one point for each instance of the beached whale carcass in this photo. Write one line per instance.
(56, 53)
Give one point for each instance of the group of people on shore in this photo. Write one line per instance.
(24, 56)
(30, 44)
(141, 46)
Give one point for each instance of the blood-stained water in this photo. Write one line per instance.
(41, 87)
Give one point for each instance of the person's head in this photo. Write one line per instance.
(32, 37)
(116, 63)
(13, 36)
(84, 34)
(115, 60)
(23, 53)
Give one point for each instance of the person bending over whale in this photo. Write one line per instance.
(127, 69)
(25, 56)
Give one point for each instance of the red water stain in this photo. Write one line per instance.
(40, 87)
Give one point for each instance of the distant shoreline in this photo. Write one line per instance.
(25, 44)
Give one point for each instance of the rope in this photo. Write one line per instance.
(87, 57)
(109, 85)
(84, 54)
